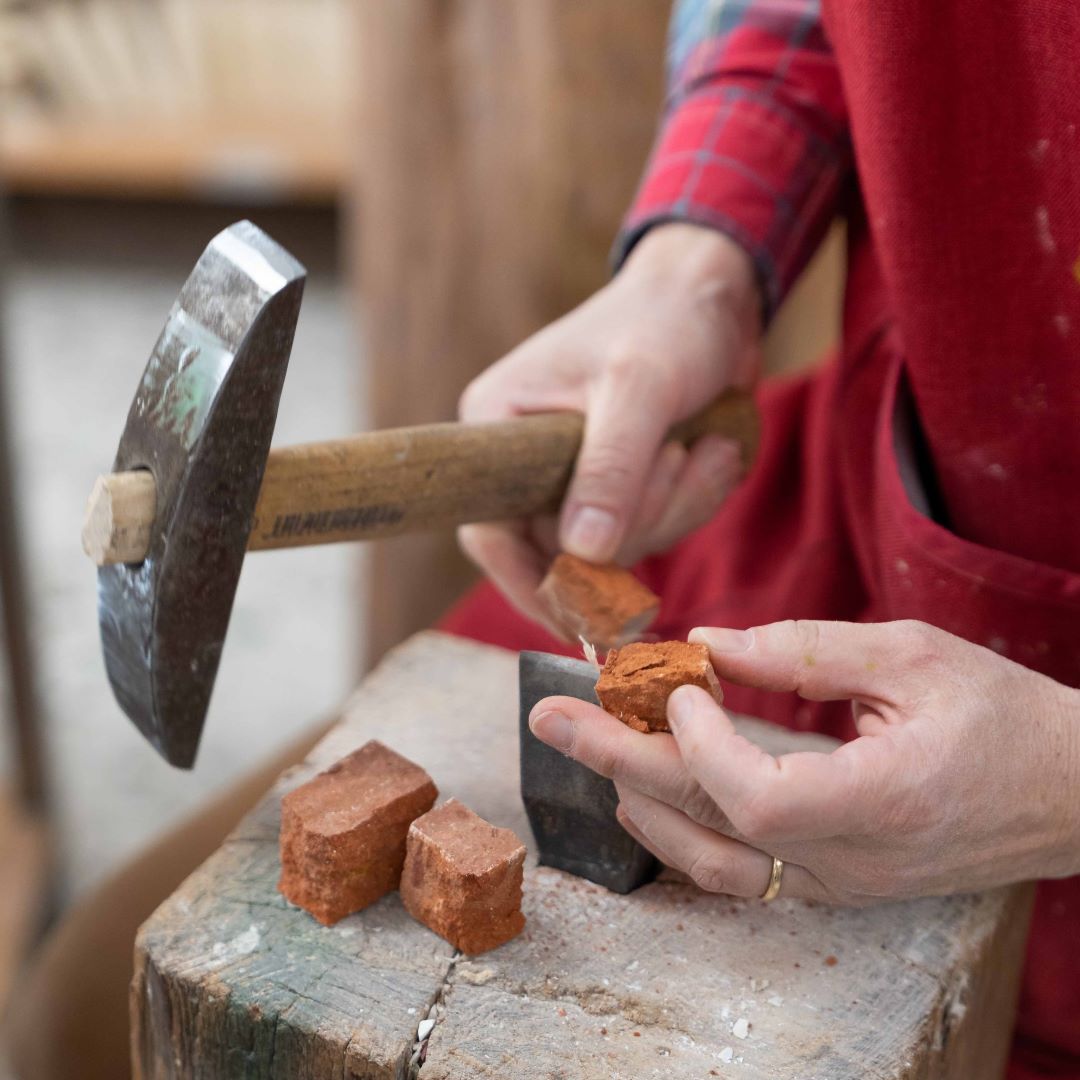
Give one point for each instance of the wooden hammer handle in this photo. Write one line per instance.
(402, 480)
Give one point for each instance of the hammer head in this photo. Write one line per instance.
(570, 808)
(201, 423)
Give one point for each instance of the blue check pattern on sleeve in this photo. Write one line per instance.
(754, 140)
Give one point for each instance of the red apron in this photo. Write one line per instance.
(933, 472)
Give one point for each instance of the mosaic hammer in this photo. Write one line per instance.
(195, 484)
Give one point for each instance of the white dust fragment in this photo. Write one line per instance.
(589, 649)
(474, 976)
(224, 952)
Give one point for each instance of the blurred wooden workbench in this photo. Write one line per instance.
(231, 981)
(291, 161)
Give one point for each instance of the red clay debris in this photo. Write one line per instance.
(605, 605)
(638, 679)
(343, 832)
(463, 878)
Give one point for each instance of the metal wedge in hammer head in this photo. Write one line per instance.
(570, 808)
(201, 424)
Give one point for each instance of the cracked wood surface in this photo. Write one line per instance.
(231, 981)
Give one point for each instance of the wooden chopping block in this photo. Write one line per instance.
(232, 982)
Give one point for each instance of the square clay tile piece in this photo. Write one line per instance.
(463, 878)
(605, 605)
(638, 679)
(343, 832)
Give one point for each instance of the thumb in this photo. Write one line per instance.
(828, 661)
(624, 429)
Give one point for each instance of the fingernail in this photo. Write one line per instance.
(553, 728)
(720, 639)
(591, 534)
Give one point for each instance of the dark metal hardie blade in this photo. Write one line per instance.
(570, 808)
(201, 422)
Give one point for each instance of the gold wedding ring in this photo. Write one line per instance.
(775, 878)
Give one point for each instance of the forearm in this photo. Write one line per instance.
(754, 143)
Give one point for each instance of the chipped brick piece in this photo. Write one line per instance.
(343, 832)
(606, 605)
(463, 878)
(638, 679)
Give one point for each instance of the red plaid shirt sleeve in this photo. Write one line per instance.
(754, 140)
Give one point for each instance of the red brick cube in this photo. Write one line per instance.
(463, 878)
(605, 605)
(638, 679)
(343, 832)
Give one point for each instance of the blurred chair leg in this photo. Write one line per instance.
(26, 894)
(25, 713)
(25, 840)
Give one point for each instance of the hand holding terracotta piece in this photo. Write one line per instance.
(678, 324)
(965, 774)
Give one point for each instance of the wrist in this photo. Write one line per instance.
(703, 261)
(1056, 791)
(1071, 787)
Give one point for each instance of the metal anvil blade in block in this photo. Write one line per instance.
(570, 808)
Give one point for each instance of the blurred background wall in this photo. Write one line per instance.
(452, 172)
(502, 141)
(176, 98)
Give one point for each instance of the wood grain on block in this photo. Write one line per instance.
(672, 982)
(231, 981)
(343, 832)
(605, 605)
(462, 878)
(638, 679)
